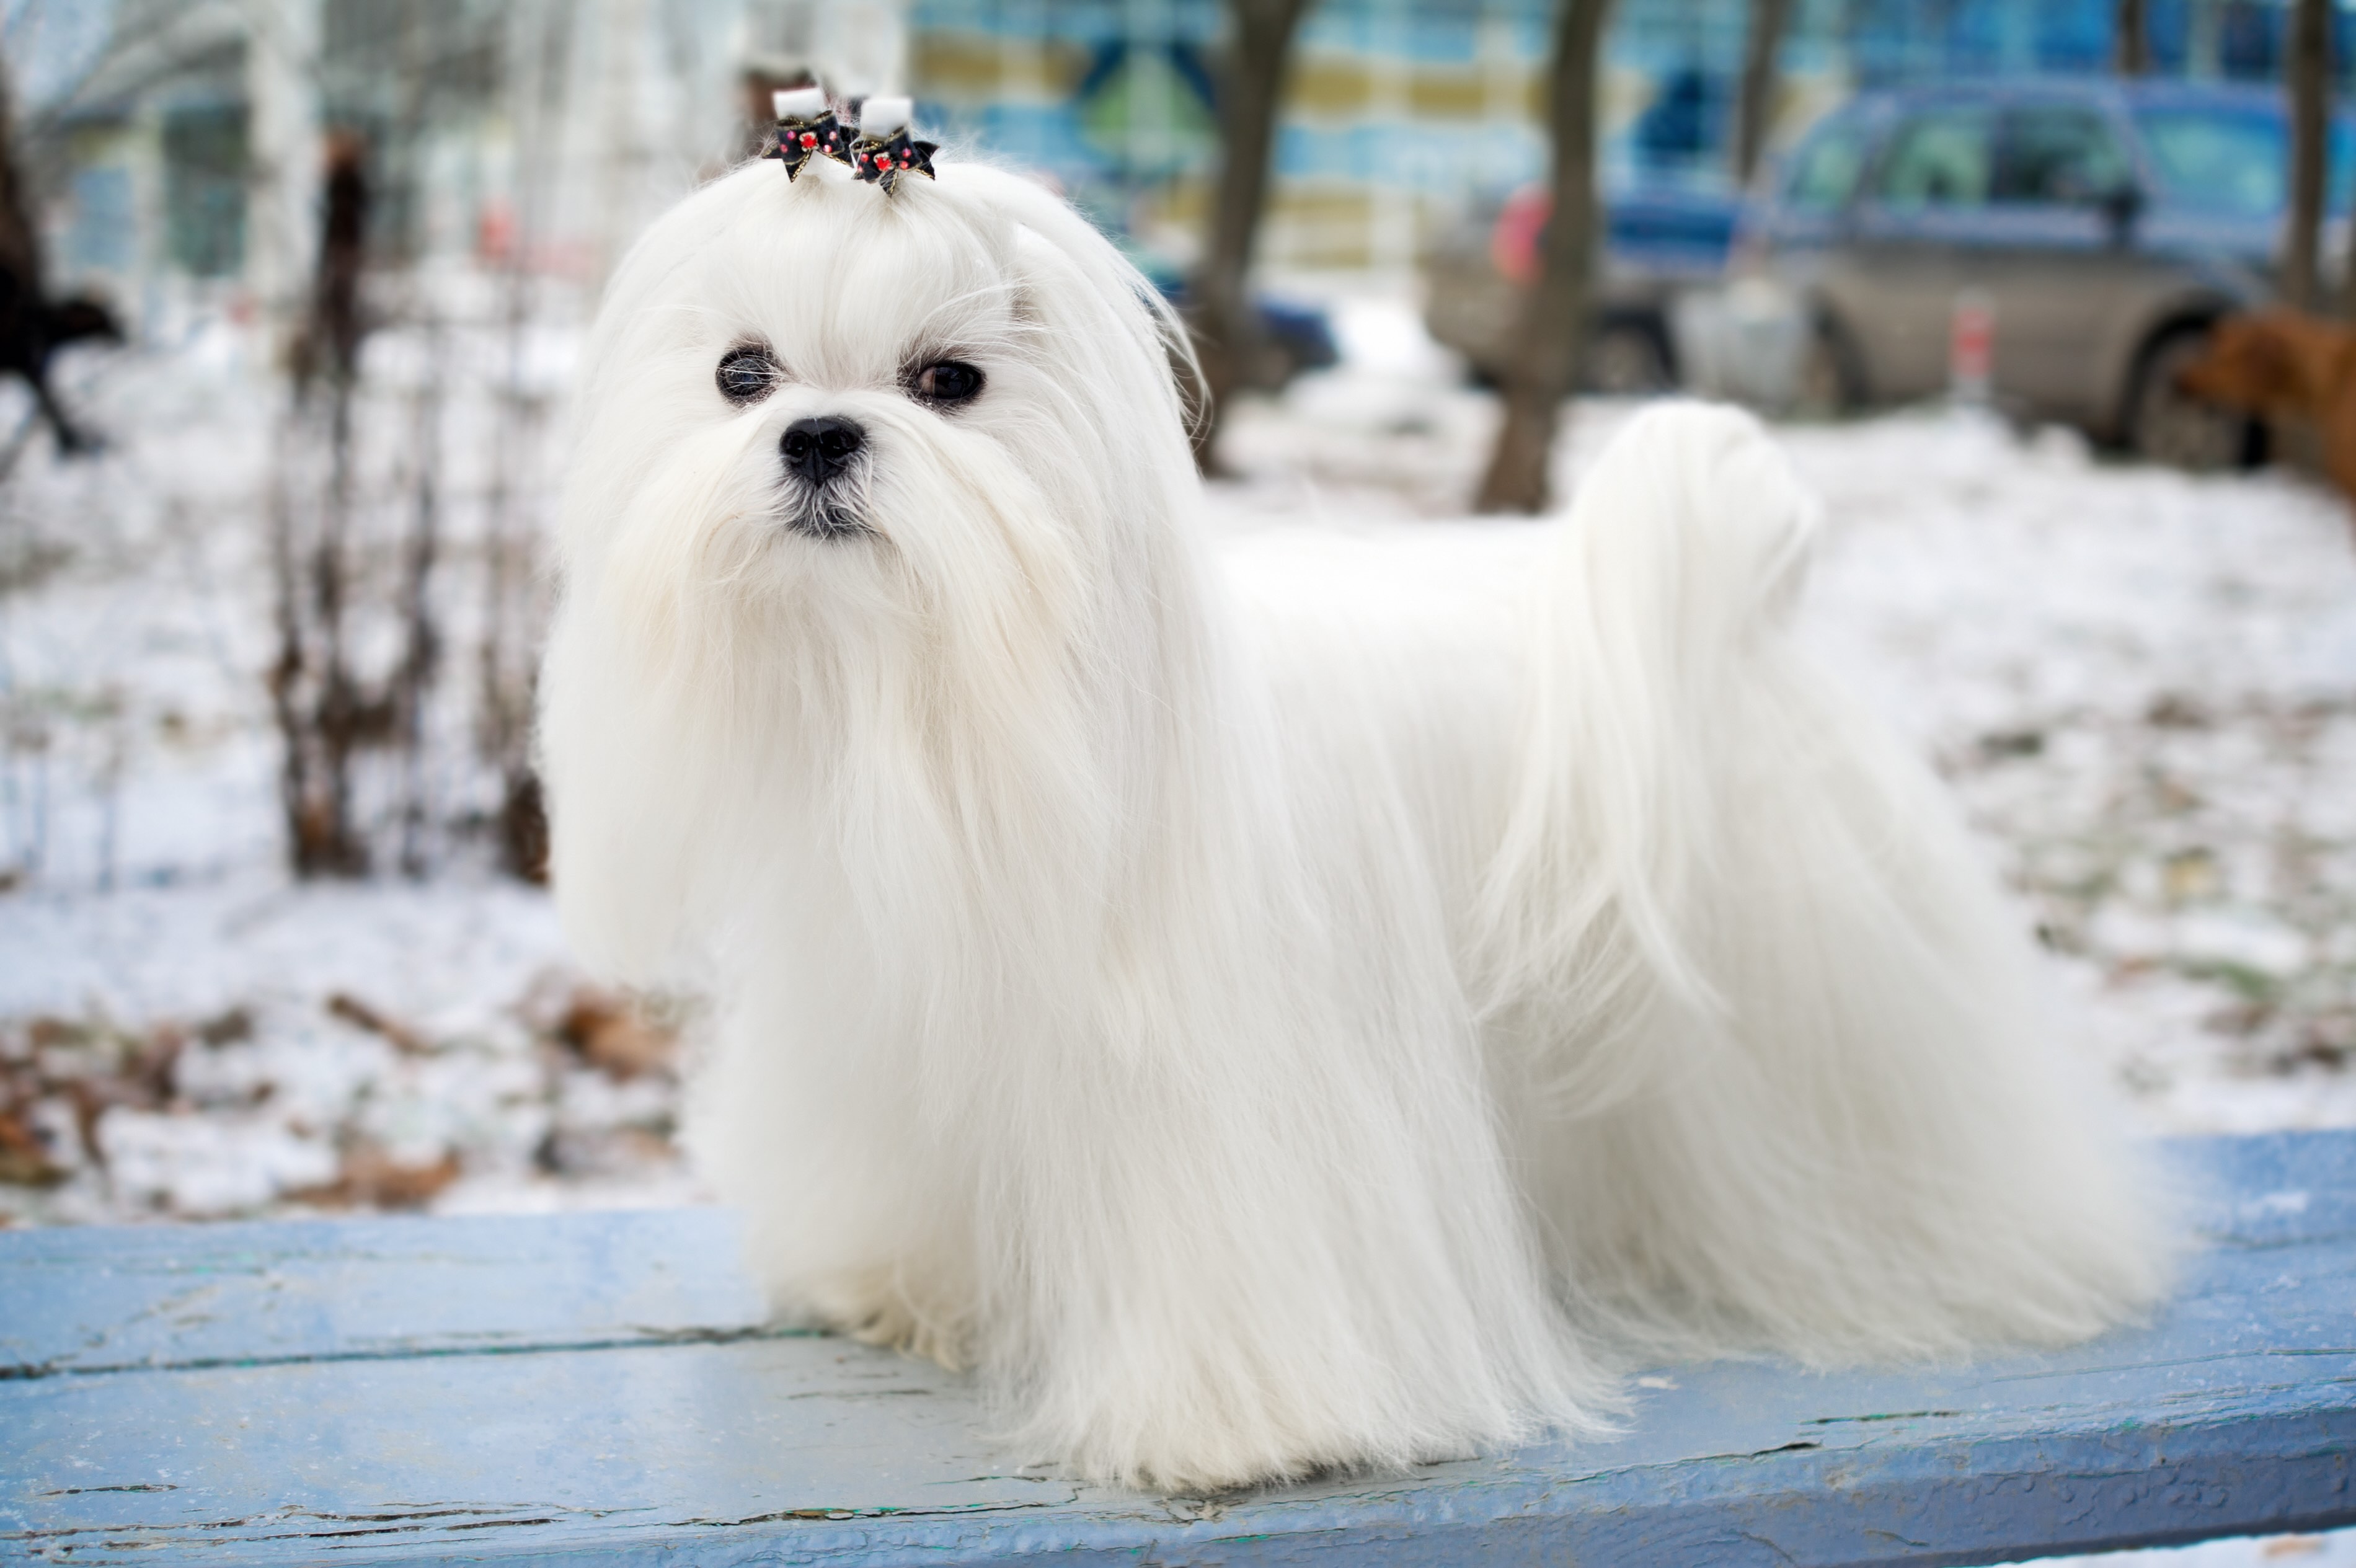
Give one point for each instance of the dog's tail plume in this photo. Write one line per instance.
(1682, 553)
(1787, 1076)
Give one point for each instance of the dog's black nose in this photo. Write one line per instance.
(819, 449)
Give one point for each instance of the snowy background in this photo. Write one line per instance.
(2143, 684)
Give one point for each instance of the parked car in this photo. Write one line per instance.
(1656, 244)
(2107, 225)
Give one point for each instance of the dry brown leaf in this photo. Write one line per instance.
(24, 1162)
(614, 1036)
(370, 1179)
(354, 1011)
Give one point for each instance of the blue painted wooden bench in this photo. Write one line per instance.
(598, 1387)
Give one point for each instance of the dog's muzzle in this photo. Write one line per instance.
(823, 453)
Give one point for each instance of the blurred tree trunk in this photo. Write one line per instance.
(410, 685)
(1755, 114)
(1250, 89)
(2131, 39)
(1554, 315)
(539, 86)
(2348, 278)
(323, 715)
(283, 166)
(332, 342)
(20, 247)
(2309, 70)
(420, 658)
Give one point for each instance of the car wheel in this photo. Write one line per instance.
(2167, 425)
(1626, 359)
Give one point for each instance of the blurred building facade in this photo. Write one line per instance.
(1400, 110)
(179, 145)
(177, 141)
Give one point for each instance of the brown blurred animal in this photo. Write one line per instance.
(2282, 364)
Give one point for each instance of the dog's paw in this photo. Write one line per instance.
(895, 1328)
(874, 1310)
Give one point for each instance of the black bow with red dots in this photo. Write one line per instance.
(807, 128)
(879, 151)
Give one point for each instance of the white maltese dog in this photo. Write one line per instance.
(1324, 1002)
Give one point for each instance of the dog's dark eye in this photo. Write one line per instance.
(945, 383)
(747, 373)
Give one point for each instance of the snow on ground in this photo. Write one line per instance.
(2143, 684)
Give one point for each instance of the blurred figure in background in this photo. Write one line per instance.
(32, 326)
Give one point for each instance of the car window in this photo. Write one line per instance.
(2058, 154)
(2234, 161)
(1941, 158)
(1824, 171)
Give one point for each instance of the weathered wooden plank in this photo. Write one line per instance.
(2234, 1412)
(105, 1298)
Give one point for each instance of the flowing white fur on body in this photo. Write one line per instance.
(1306, 1008)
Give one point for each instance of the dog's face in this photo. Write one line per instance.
(850, 343)
(876, 524)
(824, 414)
